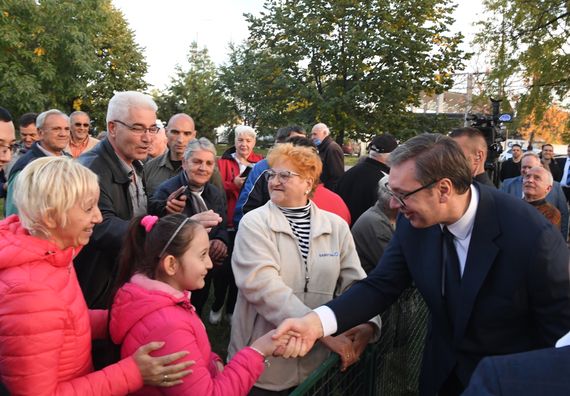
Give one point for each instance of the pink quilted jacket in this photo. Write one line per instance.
(147, 310)
(45, 326)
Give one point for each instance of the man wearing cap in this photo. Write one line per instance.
(358, 187)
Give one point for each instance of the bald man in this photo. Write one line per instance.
(179, 131)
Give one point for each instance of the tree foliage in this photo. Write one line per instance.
(195, 92)
(355, 65)
(65, 54)
(529, 39)
(551, 128)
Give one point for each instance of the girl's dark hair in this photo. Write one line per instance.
(141, 252)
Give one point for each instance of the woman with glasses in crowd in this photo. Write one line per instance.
(45, 327)
(290, 257)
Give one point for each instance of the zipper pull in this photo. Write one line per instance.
(306, 284)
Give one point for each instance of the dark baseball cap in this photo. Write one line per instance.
(384, 143)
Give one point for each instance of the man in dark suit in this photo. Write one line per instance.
(564, 166)
(493, 272)
(535, 373)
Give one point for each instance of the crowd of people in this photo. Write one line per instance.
(110, 245)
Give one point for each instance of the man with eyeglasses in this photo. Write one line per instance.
(493, 272)
(53, 131)
(80, 141)
(117, 160)
(7, 142)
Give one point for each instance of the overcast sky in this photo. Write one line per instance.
(166, 28)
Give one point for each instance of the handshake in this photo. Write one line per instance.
(296, 336)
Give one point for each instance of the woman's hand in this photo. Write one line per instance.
(218, 250)
(238, 181)
(157, 371)
(360, 336)
(343, 346)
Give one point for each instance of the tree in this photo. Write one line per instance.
(194, 91)
(355, 65)
(52, 54)
(120, 64)
(529, 39)
(551, 128)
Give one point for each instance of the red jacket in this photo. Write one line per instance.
(330, 201)
(45, 326)
(229, 169)
(148, 310)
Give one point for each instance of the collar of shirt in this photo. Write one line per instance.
(463, 228)
(43, 150)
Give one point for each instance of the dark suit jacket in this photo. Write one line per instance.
(515, 291)
(537, 373)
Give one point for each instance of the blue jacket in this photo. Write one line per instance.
(537, 373)
(213, 197)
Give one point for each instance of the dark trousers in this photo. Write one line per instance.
(224, 282)
(255, 391)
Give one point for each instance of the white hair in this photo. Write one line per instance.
(245, 130)
(40, 121)
(122, 103)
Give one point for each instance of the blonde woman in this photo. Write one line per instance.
(45, 326)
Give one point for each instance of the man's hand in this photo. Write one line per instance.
(343, 346)
(208, 219)
(307, 330)
(176, 201)
(218, 250)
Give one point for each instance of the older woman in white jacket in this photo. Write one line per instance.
(290, 257)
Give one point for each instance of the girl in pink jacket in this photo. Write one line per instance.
(161, 261)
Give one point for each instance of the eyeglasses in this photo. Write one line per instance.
(139, 129)
(284, 175)
(401, 197)
(6, 148)
(78, 124)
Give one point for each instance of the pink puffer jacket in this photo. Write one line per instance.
(45, 326)
(147, 310)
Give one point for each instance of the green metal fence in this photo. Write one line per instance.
(388, 368)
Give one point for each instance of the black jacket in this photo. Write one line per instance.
(358, 187)
(213, 197)
(333, 162)
(96, 265)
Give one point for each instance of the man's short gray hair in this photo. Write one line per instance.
(202, 144)
(322, 127)
(383, 193)
(122, 103)
(40, 121)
